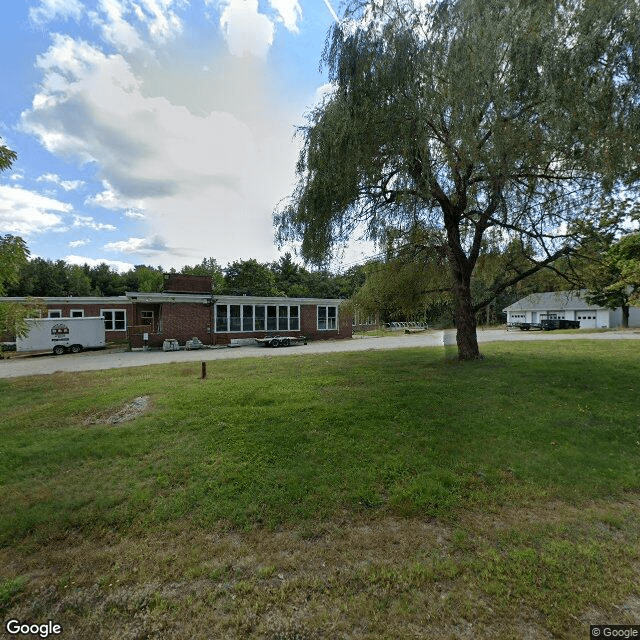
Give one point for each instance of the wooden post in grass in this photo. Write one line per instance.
(203, 373)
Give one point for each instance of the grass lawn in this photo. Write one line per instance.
(366, 495)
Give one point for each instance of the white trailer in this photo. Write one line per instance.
(62, 334)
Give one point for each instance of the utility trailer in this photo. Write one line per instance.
(548, 325)
(281, 341)
(61, 335)
(528, 326)
(559, 323)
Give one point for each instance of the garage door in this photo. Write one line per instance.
(587, 320)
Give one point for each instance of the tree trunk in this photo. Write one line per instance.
(461, 269)
(465, 319)
(625, 316)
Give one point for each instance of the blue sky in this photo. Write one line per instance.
(154, 131)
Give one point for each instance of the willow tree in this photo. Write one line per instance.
(499, 118)
(7, 157)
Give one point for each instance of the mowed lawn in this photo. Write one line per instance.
(367, 495)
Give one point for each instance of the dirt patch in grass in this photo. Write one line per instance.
(497, 575)
(130, 411)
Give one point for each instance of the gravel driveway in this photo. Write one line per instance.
(96, 360)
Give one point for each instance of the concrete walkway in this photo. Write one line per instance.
(98, 360)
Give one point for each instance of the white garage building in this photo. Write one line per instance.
(568, 305)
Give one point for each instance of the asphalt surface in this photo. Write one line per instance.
(97, 360)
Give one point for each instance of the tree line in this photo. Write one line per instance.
(40, 277)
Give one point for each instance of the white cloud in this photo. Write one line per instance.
(135, 214)
(89, 223)
(67, 185)
(49, 9)
(324, 91)
(115, 29)
(289, 11)
(162, 23)
(94, 262)
(109, 199)
(144, 246)
(121, 22)
(91, 106)
(78, 243)
(246, 30)
(25, 213)
(200, 161)
(190, 175)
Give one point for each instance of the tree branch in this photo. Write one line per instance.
(495, 291)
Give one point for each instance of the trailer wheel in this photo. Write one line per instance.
(76, 348)
(58, 350)
(286, 342)
(275, 343)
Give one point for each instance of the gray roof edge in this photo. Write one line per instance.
(553, 300)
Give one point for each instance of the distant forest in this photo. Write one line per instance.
(40, 278)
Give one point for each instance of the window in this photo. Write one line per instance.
(272, 319)
(283, 318)
(260, 317)
(146, 317)
(248, 318)
(114, 319)
(327, 318)
(294, 318)
(77, 313)
(55, 313)
(222, 311)
(234, 317)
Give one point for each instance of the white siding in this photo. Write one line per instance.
(587, 319)
(607, 318)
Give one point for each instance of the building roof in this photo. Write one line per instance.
(141, 296)
(224, 299)
(70, 299)
(554, 301)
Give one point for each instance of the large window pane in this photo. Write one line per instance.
(327, 318)
(247, 317)
(322, 318)
(283, 318)
(260, 318)
(294, 318)
(234, 317)
(221, 317)
(120, 320)
(114, 319)
(332, 314)
(272, 318)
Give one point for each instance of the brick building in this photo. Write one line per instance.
(186, 308)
